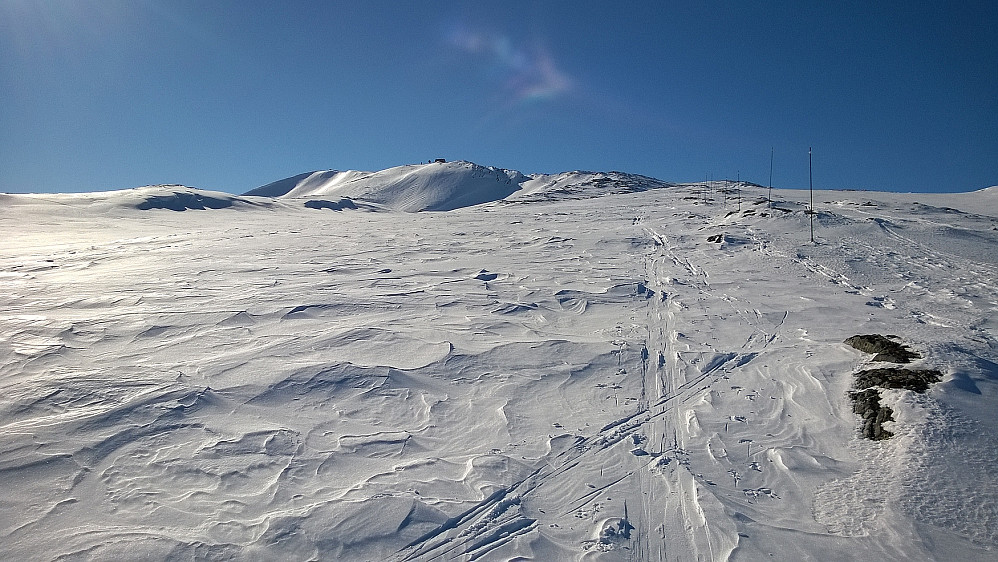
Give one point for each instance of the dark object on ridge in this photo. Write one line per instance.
(886, 349)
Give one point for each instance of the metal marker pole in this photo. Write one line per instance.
(810, 181)
(771, 152)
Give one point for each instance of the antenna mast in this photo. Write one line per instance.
(771, 152)
(810, 182)
(738, 186)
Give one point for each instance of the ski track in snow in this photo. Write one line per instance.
(560, 377)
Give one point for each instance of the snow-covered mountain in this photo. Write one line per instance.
(586, 365)
(444, 186)
(438, 186)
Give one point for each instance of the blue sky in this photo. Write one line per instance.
(221, 95)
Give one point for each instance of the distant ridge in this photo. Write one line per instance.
(443, 186)
(438, 186)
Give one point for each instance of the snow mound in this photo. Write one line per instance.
(440, 186)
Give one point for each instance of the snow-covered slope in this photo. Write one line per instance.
(651, 375)
(169, 197)
(439, 186)
(581, 185)
(325, 183)
(281, 187)
(446, 186)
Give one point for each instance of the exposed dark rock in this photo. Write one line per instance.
(866, 403)
(885, 349)
(484, 275)
(866, 400)
(893, 377)
(343, 203)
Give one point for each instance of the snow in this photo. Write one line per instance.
(438, 186)
(581, 184)
(566, 370)
(281, 187)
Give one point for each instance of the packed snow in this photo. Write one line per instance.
(580, 366)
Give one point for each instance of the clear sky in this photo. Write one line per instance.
(230, 95)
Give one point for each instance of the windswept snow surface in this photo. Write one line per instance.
(566, 378)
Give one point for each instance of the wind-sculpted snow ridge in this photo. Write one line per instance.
(280, 188)
(657, 375)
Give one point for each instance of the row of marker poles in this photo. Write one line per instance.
(772, 154)
(810, 181)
